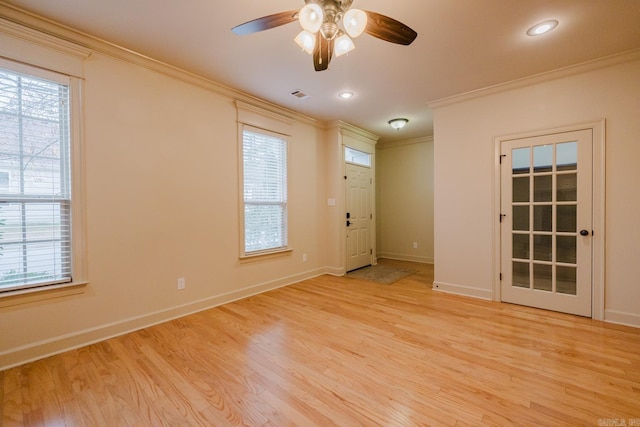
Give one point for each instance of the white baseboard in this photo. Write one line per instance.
(621, 318)
(405, 257)
(49, 347)
(466, 291)
(335, 271)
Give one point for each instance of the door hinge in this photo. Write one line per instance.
(501, 216)
(345, 177)
(500, 276)
(370, 216)
(371, 251)
(501, 156)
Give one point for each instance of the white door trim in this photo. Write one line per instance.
(598, 264)
(365, 147)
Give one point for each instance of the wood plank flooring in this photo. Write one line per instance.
(345, 352)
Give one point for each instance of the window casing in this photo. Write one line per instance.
(264, 191)
(36, 205)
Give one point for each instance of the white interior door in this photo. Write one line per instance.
(546, 222)
(359, 216)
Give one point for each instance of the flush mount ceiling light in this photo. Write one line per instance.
(347, 94)
(329, 27)
(399, 123)
(543, 27)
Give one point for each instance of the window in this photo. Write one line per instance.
(35, 203)
(264, 165)
(356, 157)
(4, 180)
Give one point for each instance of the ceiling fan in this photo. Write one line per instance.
(328, 27)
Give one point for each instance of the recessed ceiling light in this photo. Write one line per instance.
(543, 27)
(346, 94)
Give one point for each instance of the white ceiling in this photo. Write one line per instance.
(462, 45)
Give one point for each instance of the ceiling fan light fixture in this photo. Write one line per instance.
(354, 22)
(328, 20)
(306, 41)
(542, 28)
(329, 30)
(398, 123)
(311, 17)
(343, 44)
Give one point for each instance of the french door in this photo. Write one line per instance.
(546, 221)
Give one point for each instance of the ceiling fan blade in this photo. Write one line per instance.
(322, 52)
(389, 29)
(266, 22)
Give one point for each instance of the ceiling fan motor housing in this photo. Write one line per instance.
(333, 11)
(329, 30)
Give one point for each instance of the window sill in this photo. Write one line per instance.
(25, 296)
(265, 255)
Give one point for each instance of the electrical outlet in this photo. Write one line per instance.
(182, 283)
(415, 245)
(304, 257)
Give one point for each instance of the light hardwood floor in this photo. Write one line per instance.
(345, 352)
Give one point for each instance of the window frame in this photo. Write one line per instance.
(76, 183)
(244, 254)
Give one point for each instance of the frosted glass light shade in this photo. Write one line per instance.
(311, 17)
(306, 41)
(399, 123)
(343, 44)
(354, 22)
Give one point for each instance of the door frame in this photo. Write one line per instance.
(368, 147)
(598, 239)
(340, 134)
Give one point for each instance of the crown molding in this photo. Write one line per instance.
(354, 131)
(43, 29)
(385, 145)
(608, 61)
(12, 29)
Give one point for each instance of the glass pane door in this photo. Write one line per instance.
(546, 231)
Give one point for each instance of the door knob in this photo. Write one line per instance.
(348, 223)
(584, 232)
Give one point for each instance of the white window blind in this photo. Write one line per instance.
(35, 200)
(264, 157)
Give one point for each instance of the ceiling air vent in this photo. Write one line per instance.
(299, 94)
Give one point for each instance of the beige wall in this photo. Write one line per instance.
(465, 132)
(161, 180)
(161, 197)
(404, 178)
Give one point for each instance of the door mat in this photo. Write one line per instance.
(382, 274)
